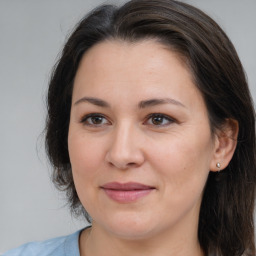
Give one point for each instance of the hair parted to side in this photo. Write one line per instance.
(226, 225)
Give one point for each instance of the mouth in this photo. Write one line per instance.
(126, 192)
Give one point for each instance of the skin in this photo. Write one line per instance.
(124, 144)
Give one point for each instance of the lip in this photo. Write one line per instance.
(126, 192)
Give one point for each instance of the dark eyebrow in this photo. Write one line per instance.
(142, 104)
(154, 102)
(94, 101)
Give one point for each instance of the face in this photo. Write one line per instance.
(139, 140)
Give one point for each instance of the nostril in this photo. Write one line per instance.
(125, 157)
(124, 166)
(131, 164)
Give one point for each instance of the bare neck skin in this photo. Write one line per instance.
(181, 241)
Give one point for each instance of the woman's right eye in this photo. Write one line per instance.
(94, 120)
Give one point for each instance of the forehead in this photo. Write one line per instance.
(145, 68)
(125, 52)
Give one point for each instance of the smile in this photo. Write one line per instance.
(126, 192)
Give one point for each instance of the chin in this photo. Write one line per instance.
(133, 233)
(131, 227)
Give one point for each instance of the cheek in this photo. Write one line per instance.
(85, 156)
(183, 161)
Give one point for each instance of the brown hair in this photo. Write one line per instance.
(226, 226)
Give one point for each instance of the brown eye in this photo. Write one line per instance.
(97, 119)
(94, 120)
(159, 120)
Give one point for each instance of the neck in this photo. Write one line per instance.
(97, 242)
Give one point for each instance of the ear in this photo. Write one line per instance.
(225, 145)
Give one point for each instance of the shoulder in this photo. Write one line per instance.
(60, 246)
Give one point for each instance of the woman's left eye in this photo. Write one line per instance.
(159, 120)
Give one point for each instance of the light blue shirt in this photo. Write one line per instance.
(60, 246)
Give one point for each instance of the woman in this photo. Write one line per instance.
(151, 132)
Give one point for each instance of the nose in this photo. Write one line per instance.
(125, 150)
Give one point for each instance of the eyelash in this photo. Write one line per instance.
(169, 119)
(84, 120)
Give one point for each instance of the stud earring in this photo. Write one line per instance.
(218, 165)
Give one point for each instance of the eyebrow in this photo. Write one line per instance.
(94, 101)
(154, 102)
(142, 104)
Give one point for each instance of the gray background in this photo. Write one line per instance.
(31, 34)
